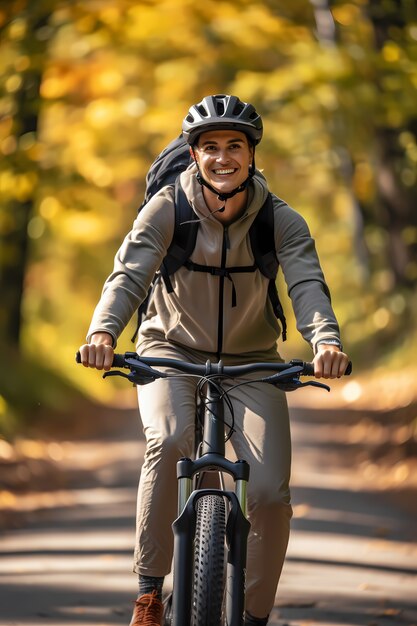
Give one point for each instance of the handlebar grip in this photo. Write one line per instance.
(309, 369)
(119, 360)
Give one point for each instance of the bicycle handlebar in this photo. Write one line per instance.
(142, 370)
(234, 371)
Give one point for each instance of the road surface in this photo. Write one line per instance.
(66, 555)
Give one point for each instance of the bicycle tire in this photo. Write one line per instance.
(209, 562)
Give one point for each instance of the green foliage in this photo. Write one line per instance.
(336, 88)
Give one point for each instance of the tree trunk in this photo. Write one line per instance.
(327, 35)
(395, 202)
(14, 242)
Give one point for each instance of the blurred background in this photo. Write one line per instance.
(92, 90)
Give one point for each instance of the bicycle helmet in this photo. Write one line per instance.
(224, 113)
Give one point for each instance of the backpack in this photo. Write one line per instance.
(165, 170)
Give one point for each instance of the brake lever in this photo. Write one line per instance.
(142, 368)
(295, 383)
(286, 375)
(315, 383)
(134, 377)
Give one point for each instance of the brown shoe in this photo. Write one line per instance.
(148, 610)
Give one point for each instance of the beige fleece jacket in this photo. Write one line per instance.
(199, 313)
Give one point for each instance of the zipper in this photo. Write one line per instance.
(225, 247)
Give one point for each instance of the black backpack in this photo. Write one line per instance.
(165, 170)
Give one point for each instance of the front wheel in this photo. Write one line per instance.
(209, 562)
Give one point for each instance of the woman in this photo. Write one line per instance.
(200, 320)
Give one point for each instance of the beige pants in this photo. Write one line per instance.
(261, 437)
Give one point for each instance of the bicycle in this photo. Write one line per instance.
(211, 530)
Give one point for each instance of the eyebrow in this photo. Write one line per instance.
(212, 141)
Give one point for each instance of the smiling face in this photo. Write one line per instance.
(224, 158)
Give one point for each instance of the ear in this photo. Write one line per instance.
(194, 156)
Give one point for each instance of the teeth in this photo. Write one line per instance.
(224, 171)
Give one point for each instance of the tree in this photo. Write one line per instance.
(92, 91)
(396, 135)
(23, 53)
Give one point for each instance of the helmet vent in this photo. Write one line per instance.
(203, 112)
(239, 106)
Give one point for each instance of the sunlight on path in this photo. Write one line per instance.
(352, 557)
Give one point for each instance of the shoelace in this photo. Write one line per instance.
(148, 610)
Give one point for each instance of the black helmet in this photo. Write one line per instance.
(223, 113)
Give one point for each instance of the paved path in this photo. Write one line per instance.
(352, 557)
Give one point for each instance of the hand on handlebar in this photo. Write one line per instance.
(330, 362)
(98, 353)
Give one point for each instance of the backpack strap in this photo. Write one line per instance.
(225, 272)
(181, 247)
(184, 237)
(277, 307)
(262, 238)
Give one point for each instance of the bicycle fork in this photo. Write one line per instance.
(237, 526)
